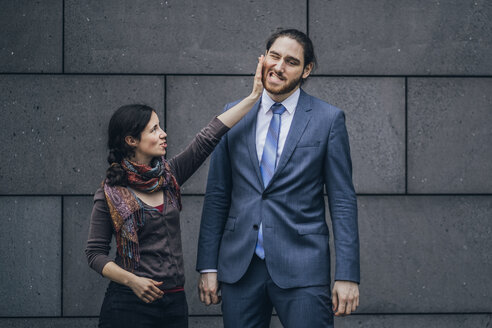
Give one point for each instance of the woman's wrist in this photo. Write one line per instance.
(129, 280)
(253, 97)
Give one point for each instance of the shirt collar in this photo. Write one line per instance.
(290, 103)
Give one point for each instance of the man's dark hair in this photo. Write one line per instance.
(300, 37)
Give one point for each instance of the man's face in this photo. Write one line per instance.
(283, 67)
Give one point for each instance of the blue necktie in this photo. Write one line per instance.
(269, 162)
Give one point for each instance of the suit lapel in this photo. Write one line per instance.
(250, 127)
(299, 123)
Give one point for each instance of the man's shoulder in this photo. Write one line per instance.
(321, 106)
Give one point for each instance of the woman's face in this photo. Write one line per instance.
(152, 141)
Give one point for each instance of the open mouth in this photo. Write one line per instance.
(273, 77)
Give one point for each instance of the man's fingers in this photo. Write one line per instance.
(208, 301)
(202, 296)
(341, 308)
(348, 308)
(215, 298)
(334, 301)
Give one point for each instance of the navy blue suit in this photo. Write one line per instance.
(291, 207)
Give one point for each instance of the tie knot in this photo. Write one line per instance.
(278, 108)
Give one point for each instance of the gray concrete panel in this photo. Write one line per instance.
(375, 119)
(55, 128)
(191, 102)
(366, 321)
(205, 322)
(83, 288)
(173, 36)
(30, 270)
(410, 37)
(31, 36)
(425, 254)
(449, 135)
(49, 322)
(415, 321)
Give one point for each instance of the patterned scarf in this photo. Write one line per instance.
(127, 211)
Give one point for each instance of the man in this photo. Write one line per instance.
(263, 233)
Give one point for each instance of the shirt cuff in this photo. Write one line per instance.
(208, 270)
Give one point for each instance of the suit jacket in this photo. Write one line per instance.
(291, 207)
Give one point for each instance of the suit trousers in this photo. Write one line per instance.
(122, 308)
(249, 302)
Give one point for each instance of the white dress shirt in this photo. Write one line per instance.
(263, 122)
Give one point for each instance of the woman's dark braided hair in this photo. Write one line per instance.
(128, 120)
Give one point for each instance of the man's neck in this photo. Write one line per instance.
(281, 97)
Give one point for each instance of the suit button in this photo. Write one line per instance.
(263, 196)
(255, 226)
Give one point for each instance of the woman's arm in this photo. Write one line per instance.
(97, 250)
(146, 289)
(236, 113)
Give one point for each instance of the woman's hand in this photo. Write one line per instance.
(257, 83)
(146, 289)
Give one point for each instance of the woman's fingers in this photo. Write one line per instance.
(147, 290)
(259, 67)
(258, 85)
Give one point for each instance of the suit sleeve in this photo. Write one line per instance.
(342, 201)
(215, 208)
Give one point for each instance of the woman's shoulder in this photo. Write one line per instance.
(99, 194)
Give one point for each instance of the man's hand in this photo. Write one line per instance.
(345, 297)
(208, 288)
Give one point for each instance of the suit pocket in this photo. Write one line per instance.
(310, 230)
(310, 144)
(230, 223)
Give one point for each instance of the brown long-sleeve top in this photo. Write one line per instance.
(161, 255)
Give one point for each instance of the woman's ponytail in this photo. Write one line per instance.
(115, 174)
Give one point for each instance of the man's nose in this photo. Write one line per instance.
(279, 66)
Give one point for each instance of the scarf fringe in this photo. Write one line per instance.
(127, 211)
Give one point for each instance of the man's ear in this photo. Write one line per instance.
(307, 70)
(131, 141)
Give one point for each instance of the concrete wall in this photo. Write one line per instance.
(414, 78)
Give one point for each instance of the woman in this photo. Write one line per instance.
(139, 202)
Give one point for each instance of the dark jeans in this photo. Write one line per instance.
(122, 308)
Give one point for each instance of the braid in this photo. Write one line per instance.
(115, 174)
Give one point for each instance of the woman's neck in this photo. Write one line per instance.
(141, 160)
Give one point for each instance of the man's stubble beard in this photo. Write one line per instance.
(283, 90)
